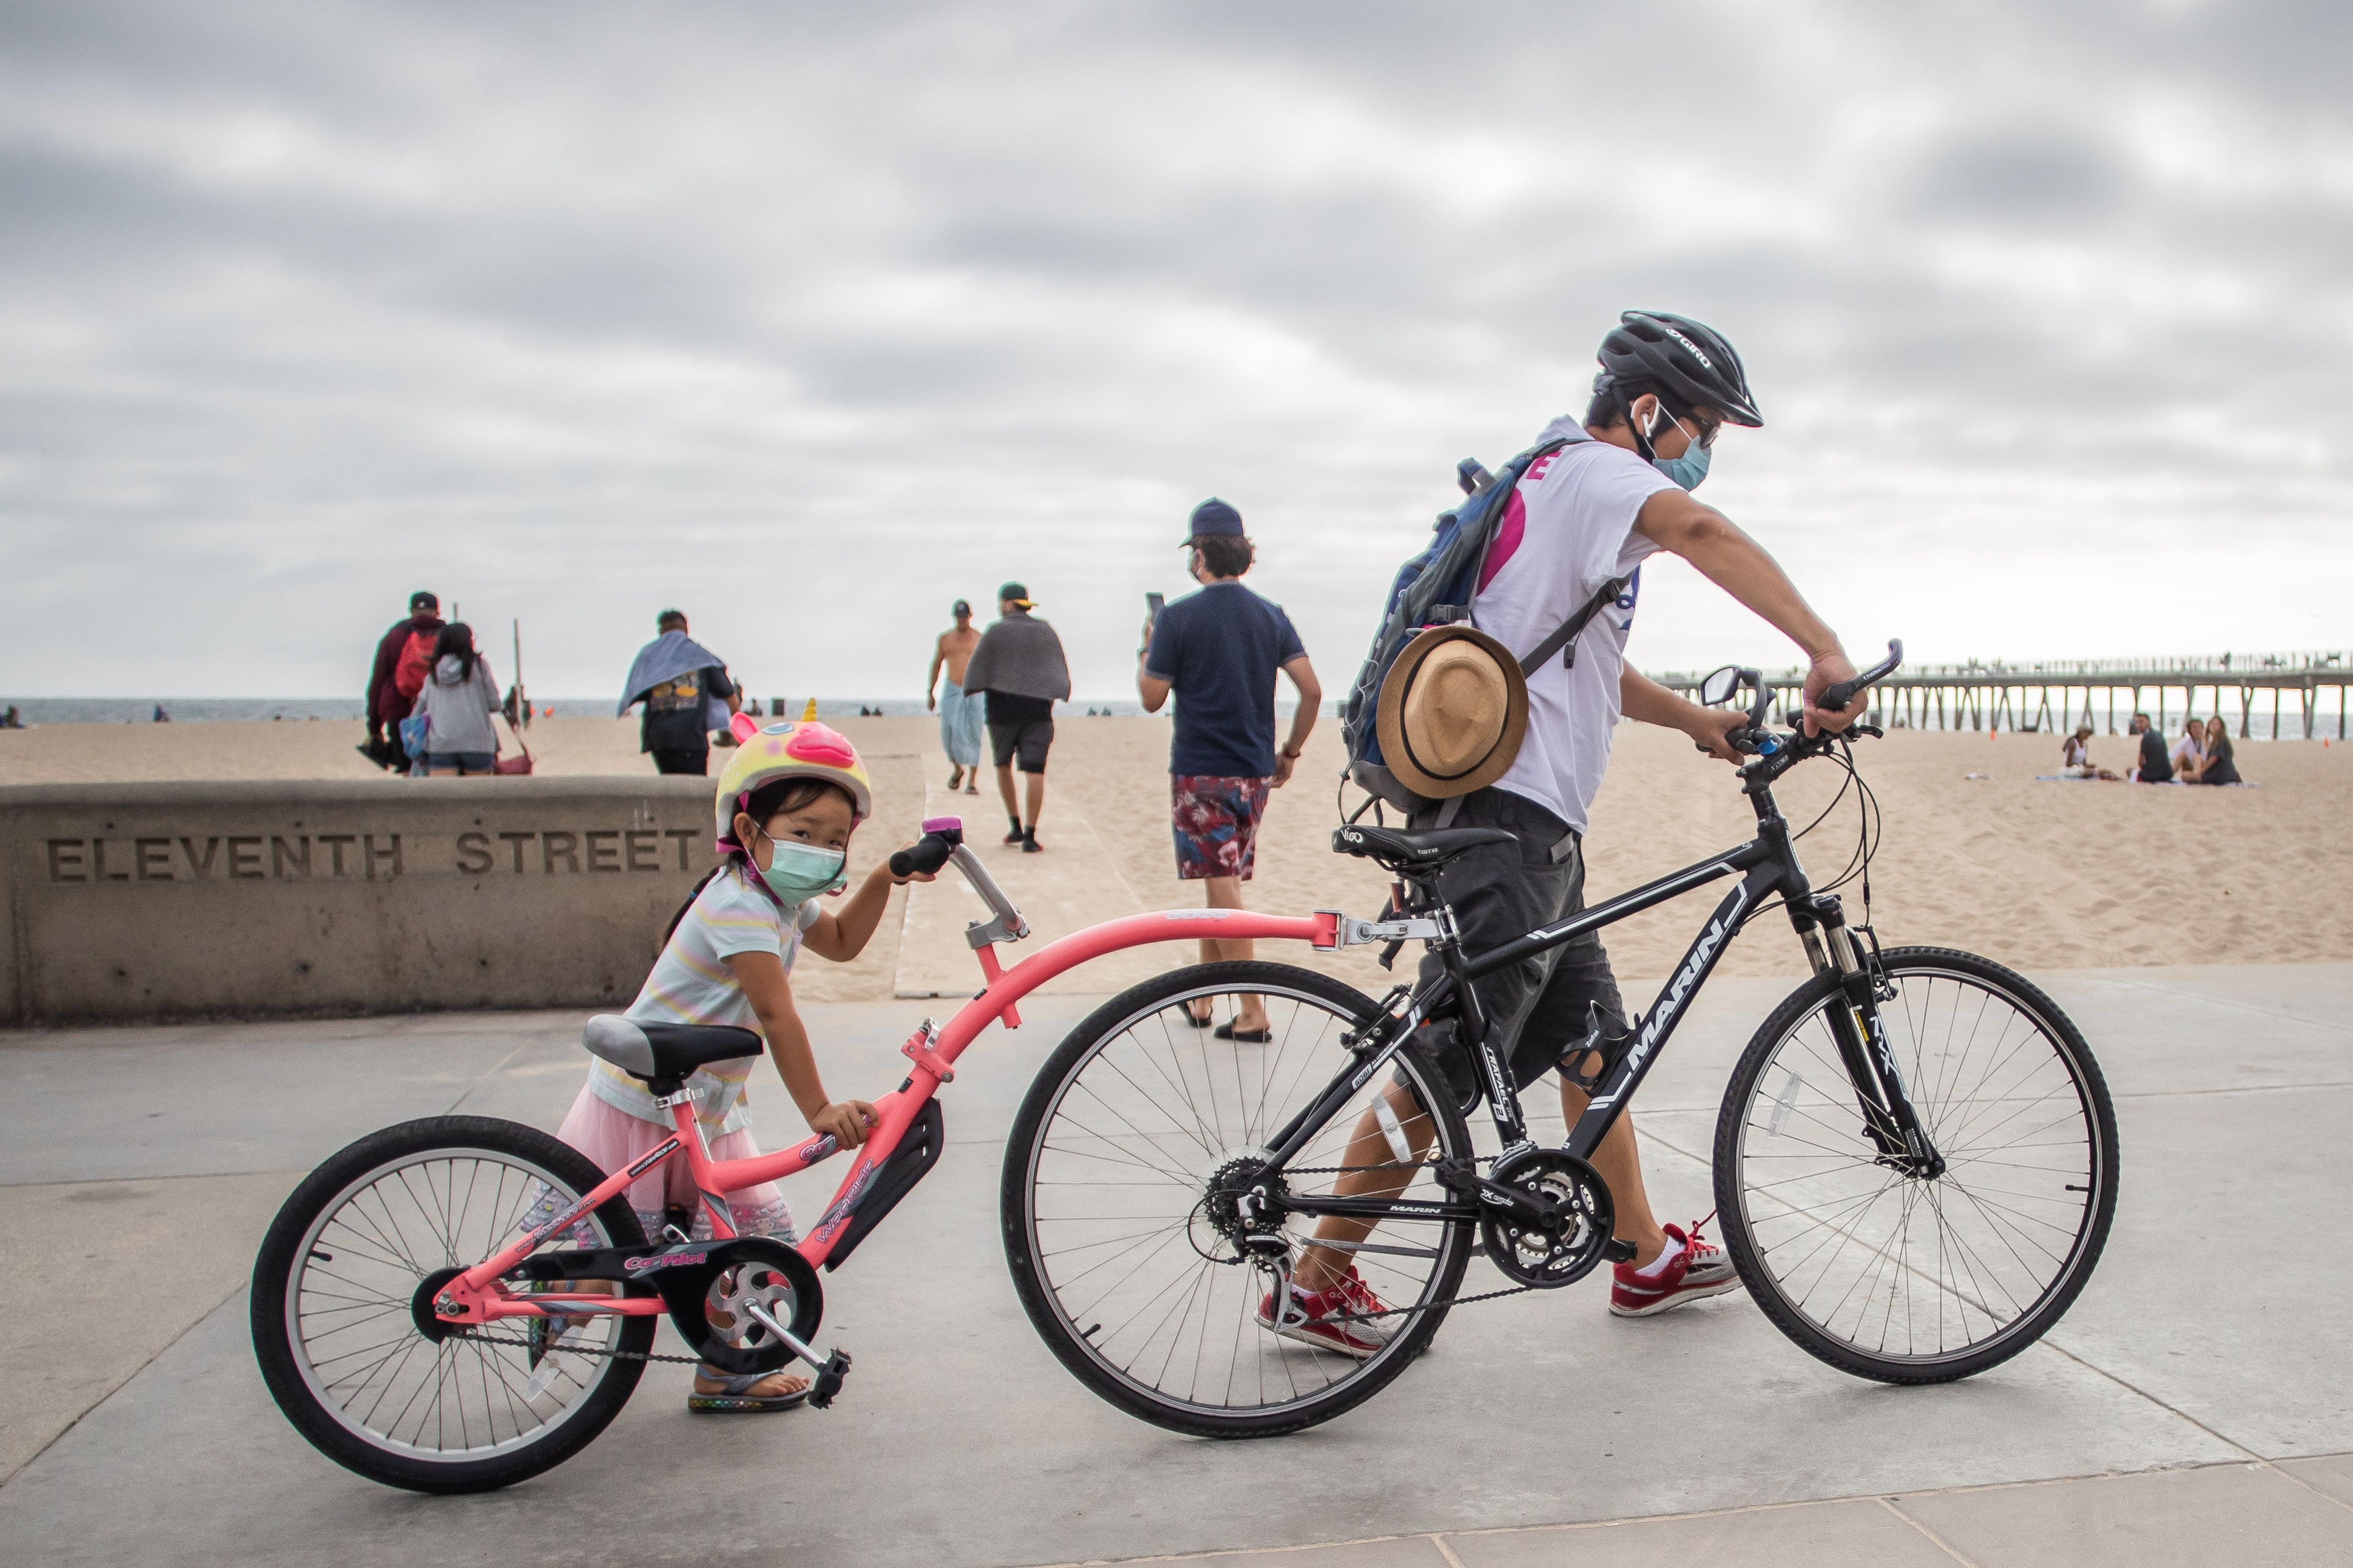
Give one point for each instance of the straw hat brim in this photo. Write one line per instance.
(1453, 726)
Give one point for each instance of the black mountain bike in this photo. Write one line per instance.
(1916, 1160)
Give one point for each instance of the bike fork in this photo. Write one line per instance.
(1861, 1032)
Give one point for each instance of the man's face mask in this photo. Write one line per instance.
(1690, 469)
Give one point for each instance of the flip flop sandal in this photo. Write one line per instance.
(1243, 1036)
(1196, 1019)
(734, 1397)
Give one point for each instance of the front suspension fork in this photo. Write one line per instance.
(1859, 1030)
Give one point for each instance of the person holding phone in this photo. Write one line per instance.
(1217, 651)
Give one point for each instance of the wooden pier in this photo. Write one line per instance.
(2059, 694)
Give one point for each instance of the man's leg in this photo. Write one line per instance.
(1619, 1161)
(1005, 789)
(1226, 893)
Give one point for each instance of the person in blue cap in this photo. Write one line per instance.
(1217, 651)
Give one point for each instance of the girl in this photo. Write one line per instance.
(2218, 766)
(788, 803)
(456, 701)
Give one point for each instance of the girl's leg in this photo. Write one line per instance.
(756, 1211)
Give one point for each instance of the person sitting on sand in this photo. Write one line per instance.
(2217, 766)
(2154, 767)
(2190, 752)
(457, 702)
(12, 719)
(2075, 757)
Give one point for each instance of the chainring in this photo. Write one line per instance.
(707, 1296)
(1565, 1248)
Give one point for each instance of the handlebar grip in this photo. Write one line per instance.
(1836, 697)
(928, 854)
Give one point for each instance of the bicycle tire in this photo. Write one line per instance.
(1026, 1256)
(1968, 1275)
(295, 1240)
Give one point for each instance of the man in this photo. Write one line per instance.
(1019, 664)
(679, 680)
(404, 658)
(1592, 511)
(2155, 765)
(1218, 650)
(960, 716)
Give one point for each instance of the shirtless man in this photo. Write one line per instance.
(960, 715)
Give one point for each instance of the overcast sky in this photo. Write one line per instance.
(810, 320)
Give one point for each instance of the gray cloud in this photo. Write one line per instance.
(818, 319)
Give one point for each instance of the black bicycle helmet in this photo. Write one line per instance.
(1691, 361)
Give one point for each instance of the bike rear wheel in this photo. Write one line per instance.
(1111, 1222)
(334, 1322)
(1909, 1279)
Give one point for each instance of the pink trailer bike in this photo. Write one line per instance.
(459, 1302)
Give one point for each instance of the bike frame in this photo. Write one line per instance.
(478, 1296)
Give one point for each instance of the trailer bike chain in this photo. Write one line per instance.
(1393, 1311)
(552, 1348)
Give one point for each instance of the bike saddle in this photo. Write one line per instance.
(665, 1050)
(1432, 847)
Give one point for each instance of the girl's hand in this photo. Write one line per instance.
(911, 876)
(846, 1122)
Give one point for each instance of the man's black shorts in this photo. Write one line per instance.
(1029, 738)
(682, 759)
(1535, 1009)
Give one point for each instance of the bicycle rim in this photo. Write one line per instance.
(356, 1342)
(1127, 1257)
(1915, 1277)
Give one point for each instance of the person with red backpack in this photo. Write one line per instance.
(403, 660)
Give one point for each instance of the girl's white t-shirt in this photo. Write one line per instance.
(691, 983)
(1568, 529)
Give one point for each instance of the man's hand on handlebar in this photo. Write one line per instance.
(1711, 729)
(1826, 671)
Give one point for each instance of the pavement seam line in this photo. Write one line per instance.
(1939, 1542)
(60, 1435)
(2239, 1006)
(1445, 1551)
(2127, 1385)
(521, 1046)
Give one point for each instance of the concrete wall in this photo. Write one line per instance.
(173, 901)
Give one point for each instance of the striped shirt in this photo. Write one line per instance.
(691, 983)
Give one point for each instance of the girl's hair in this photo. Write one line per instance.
(456, 638)
(2082, 732)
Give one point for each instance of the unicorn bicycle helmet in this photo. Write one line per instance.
(804, 750)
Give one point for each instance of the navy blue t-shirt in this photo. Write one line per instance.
(1219, 649)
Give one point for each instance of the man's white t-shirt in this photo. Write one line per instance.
(1568, 529)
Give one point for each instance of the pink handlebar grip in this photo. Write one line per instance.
(940, 824)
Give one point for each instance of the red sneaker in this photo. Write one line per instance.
(1333, 1320)
(1700, 1270)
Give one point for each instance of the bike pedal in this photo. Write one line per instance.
(1616, 1249)
(830, 1379)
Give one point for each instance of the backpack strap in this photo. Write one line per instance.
(1565, 635)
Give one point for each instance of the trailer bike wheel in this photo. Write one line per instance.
(1880, 1270)
(1132, 1250)
(348, 1351)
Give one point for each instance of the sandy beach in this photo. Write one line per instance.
(2039, 875)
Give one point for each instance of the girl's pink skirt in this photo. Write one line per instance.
(614, 1139)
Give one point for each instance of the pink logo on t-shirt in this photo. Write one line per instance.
(1515, 525)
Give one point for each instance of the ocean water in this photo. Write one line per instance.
(198, 709)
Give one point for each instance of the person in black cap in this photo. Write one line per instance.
(1019, 664)
(1218, 650)
(404, 658)
(959, 709)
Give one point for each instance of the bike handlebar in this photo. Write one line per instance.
(929, 853)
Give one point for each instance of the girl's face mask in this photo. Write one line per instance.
(798, 873)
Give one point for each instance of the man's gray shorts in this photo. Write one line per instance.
(1535, 1009)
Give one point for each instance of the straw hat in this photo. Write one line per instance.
(1453, 711)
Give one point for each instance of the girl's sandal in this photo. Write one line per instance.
(1197, 1020)
(734, 1396)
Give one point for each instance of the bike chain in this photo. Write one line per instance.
(580, 1349)
(1393, 1311)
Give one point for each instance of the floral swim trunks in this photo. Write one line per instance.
(1215, 822)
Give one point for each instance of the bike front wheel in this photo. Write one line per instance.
(1891, 1275)
(337, 1316)
(1119, 1227)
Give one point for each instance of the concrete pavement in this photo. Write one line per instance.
(2201, 1381)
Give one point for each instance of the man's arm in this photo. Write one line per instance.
(932, 677)
(1740, 566)
(1303, 718)
(380, 673)
(1154, 690)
